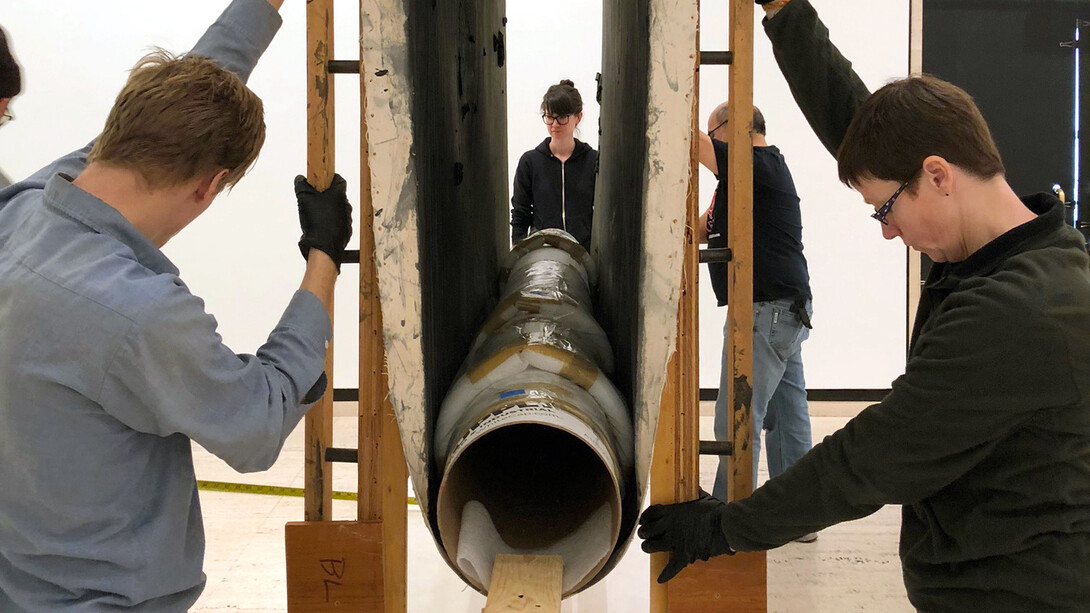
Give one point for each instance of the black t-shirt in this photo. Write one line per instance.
(779, 267)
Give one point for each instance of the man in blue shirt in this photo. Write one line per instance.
(110, 366)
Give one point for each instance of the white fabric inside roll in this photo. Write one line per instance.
(583, 549)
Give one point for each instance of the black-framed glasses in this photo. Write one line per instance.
(6, 117)
(716, 128)
(883, 211)
(560, 119)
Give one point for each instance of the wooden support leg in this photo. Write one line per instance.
(319, 420)
(334, 566)
(525, 583)
(726, 583)
(383, 475)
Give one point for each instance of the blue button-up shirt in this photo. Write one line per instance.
(109, 366)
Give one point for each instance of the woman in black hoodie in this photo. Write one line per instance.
(554, 182)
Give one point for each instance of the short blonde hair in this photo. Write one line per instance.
(178, 118)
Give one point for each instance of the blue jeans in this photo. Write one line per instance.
(779, 391)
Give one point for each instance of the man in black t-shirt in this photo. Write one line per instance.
(781, 299)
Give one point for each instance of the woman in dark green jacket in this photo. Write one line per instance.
(985, 440)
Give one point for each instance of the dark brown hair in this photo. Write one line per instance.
(562, 99)
(906, 121)
(180, 118)
(10, 79)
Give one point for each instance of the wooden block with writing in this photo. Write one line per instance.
(525, 583)
(735, 583)
(334, 566)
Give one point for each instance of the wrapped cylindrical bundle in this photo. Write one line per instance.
(533, 442)
(557, 239)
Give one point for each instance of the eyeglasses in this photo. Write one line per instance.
(560, 119)
(6, 117)
(716, 128)
(883, 211)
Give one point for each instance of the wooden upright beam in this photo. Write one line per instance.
(334, 567)
(675, 469)
(726, 583)
(319, 420)
(914, 265)
(740, 239)
(740, 580)
(383, 474)
(688, 313)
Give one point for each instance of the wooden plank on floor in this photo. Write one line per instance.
(334, 566)
(525, 583)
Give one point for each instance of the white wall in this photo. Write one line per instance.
(858, 279)
(547, 42)
(241, 255)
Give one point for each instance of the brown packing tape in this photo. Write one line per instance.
(578, 369)
(533, 304)
(479, 371)
(505, 310)
(545, 238)
(575, 368)
(522, 317)
(514, 304)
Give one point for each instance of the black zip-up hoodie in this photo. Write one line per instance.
(549, 193)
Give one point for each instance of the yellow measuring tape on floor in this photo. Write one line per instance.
(269, 490)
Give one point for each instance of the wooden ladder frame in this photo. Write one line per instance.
(361, 565)
(738, 582)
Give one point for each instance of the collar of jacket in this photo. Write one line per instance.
(1049, 220)
(580, 148)
(73, 202)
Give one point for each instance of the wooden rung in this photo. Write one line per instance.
(714, 58)
(526, 583)
(344, 66)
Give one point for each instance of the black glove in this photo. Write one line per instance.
(689, 531)
(326, 218)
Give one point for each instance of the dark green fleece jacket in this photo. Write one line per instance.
(985, 439)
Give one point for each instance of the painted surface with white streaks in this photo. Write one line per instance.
(669, 109)
(388, 113)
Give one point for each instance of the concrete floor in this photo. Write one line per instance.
(851, 567)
